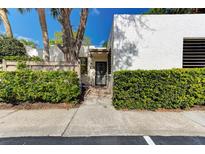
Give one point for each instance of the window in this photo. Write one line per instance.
(193, 52)
(84, 65)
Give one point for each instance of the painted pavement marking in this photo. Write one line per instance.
(149, 140)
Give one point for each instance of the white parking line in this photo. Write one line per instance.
(149, 140)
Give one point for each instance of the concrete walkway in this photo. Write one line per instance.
(97, 117)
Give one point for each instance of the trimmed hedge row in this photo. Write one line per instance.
(39, 86)
(153, 89)
(21, 58)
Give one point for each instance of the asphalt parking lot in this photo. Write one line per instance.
(105, 140)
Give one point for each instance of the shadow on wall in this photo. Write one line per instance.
(56, 54)
(125, 48)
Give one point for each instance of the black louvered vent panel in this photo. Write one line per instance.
(193, 53)
(109, 62)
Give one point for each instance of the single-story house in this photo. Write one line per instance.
(146, 42)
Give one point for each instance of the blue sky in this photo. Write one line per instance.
(98, 26)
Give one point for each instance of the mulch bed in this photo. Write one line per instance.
(194, 108)
(37, 106)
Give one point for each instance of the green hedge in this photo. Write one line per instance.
(11, 47)
(169, 89)
(21, 58)
(39, 86)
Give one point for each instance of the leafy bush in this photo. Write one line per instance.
(58, 39)
(21, 65)
(20, 58)
(28, 43)
(169, 89)
(39, 86)
(11, 47)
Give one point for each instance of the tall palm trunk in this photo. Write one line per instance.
(42, 19)
(4, 17)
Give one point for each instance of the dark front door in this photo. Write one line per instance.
(101, 73)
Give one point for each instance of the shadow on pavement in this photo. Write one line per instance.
(103, 140)
(178, 140)
(95, 140)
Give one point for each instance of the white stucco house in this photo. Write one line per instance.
(158, 41)
(94, 64)
(146, 42)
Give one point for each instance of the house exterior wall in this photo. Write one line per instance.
(31, 51)
(57, 55)
(89, 79)
(152, 41)
(12, 66)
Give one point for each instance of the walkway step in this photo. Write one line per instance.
(97, 91)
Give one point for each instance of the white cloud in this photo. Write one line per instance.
(95, 11)
(27, 38)
(2, 32)
(22, 37)
(101, 42)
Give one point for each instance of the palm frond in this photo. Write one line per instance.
(175, 11)
(55, 12)
(24, 10)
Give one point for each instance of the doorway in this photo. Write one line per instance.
(100, 73)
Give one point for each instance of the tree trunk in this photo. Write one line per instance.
(66, 57)
(71, 44)
(67, 33)
(4, 17)
(81, 31)
(42, 19)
